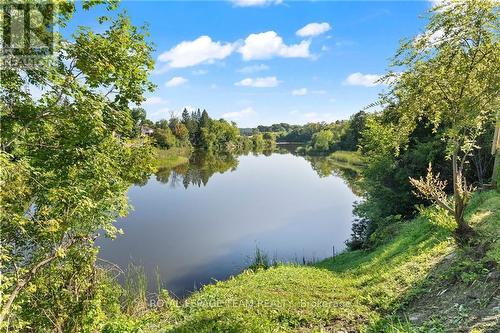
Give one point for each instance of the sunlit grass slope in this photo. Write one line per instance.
(342, 293)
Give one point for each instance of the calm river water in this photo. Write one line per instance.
(204, 221)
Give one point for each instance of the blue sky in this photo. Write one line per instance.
(268, 61)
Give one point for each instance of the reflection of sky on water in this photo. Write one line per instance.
(277, 203)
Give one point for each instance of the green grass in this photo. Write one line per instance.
(342, 293)
(461, 294)
(352, 158)
(170, 158)
(484, 213)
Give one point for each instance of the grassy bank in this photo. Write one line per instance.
(393, 288)
(342, 293)
(347, 160)
(170, 158)
(347, 157)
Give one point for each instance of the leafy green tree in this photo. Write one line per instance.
(297, 133)
(172, 123)
(66, 163)
(451, 80)
(138, 117)
(384, 181)
(164, 138)
(349, 139)
(244, 144)
(258, 141)
(181, 132)
(148, 123)
(162, 124)
(207, 138)
(322, 140)
(270, 141)
(218, 135)
(192, 126)
(396, 149)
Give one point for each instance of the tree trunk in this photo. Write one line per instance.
(463, 232)
(21, 284)
(495, 150)
(496, 166)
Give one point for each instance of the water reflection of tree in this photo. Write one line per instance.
(163, 174)
(287, 148)
(325, 167)
(201, 166)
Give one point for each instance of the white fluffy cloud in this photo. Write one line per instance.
(176, 81)
(259, 82)
(255, 3)
(300, 92)
(246, 112)
(313, 29)
(265, 45)
(198, 51)
(253, 69)
(365, 80)
(269, 44)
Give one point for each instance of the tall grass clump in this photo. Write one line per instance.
(260, 260)
(348, 157)
(170, 158)
(135, 288)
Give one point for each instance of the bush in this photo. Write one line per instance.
(164, 138)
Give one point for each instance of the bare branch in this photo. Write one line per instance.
(432, 188)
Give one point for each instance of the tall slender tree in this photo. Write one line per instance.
(450, 78)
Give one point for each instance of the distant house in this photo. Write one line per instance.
(146, 131)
